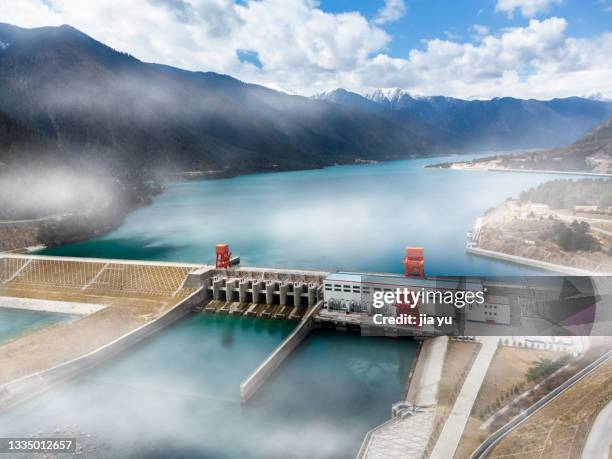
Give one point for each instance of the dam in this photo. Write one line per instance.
(122, 302)
(84, 360)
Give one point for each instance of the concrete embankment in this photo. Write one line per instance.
(60, 307)
(449, 438)
(32, 385)
(268, 366)
(533, 263)
(408, 435)
(536, 171)
(423, 390)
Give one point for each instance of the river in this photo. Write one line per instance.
(176, 395)
(345, 217)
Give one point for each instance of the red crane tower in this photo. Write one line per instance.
(223, 256)
(414, 262)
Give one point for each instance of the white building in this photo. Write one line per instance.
(354, 292)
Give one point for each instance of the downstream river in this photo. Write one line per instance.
(176, 395)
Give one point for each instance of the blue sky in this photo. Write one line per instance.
(469, 49)
(428, 19)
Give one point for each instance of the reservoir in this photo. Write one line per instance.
(356, 218)
(176, 395)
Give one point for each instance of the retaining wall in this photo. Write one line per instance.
(278, 356)
(531, 262)
(423, 389)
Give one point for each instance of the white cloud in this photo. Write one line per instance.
(528, 8)
(306, 50)
(393, 10)
(480, 30)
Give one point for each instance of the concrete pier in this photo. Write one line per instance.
(270, 287)
(258, 286)
(231, 285)
(283, 290)
(312, 295)
(217, 286)
(243, 288)
(297, 294)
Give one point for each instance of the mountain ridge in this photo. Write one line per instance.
(460, 125)
(128, 110)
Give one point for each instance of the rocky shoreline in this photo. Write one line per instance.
(76, 227)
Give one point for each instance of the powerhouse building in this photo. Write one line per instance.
(354, 292)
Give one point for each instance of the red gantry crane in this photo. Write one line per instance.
(224, 256)
(414, 262)
(414, 266)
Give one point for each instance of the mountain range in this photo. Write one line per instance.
(69, 100)
(457, 125)
(67, 97)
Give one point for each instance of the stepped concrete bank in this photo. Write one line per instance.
(32, 385)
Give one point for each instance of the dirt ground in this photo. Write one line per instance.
(509, 367)
(503, 231)
(560, 429)
(62, 342)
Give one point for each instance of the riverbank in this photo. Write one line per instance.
(495, 166)
(527, 234)
(74, 224)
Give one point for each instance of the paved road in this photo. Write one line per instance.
(455, 424)
(33, 220)
(600, 438)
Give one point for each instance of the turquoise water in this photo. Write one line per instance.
(14, 322)
(346, 217)
(177, 395)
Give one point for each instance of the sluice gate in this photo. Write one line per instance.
(275, 294)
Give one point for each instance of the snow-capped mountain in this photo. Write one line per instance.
(499, 123)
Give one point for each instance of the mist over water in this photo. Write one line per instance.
(346, 217)
(177, 394)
